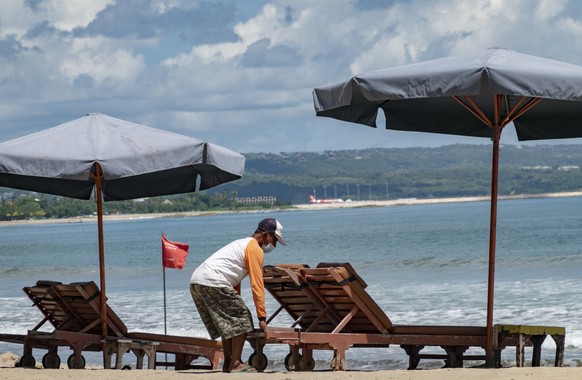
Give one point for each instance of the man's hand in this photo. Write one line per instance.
(263, 325)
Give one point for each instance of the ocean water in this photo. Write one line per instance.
(424, 264)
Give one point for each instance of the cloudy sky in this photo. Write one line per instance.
(240, 73)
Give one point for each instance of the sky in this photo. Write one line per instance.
(241, 73)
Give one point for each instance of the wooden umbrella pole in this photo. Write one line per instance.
(98, 196)
(492, 243)
(497, 127)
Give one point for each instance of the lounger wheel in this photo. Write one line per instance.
(51, 360)
(27, 361)
(290, 366)
(260, 363)
(305, 364)
(72, 364)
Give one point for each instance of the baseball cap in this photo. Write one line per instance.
(272, 225)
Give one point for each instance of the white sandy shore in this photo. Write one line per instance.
(8, 372)
(539, 373)
(417, 201)
(299, 207)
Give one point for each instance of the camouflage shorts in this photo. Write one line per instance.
(222, 310)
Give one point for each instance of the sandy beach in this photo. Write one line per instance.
(8, 372)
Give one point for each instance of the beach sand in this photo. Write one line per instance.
(8, 372)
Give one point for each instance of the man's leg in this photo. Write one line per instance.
(227, 350)
(238, 343)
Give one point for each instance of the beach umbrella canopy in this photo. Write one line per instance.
(475, 94)
(117, 160)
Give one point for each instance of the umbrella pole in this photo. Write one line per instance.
(98, 196)
(492, 243)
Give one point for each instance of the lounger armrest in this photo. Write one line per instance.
(189, 340)
(438, 330)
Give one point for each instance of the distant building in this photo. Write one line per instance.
(269, 199)
(538, 167)
(8, 195)
(563, 168)
(566, 168)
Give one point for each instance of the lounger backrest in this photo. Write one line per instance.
(348, 267)
(282, 284)
(83, 303)
(73, 307)
(47, 304)
(343, 291)
(329, 298)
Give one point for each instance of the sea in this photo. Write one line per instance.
(424, 264)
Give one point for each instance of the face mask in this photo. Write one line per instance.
(268, 247)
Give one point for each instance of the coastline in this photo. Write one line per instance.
(298, 207)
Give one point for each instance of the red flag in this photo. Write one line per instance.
(173, 254)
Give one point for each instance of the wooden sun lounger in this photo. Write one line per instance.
(344, 291)
(74, 310)
(74, 307)
(332, 310)
(71, 310)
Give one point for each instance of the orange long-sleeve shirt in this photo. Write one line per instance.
(254, 258)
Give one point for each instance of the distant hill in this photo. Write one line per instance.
(393, 173)
(453, 170)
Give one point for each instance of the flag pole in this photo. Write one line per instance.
(165, 314)
(174, 255)
(165, 323)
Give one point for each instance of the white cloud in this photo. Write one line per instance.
(15, 19)
(64, 15)
(104, 64)
(265, 24)
(207, 54)
(547, 9)
(251, 89)
(67, 15)
(571, 26)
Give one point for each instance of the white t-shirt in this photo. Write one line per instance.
(225, 267)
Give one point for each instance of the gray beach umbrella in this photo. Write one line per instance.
(117, 160)
(475, 94)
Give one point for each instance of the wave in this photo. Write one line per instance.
(423, 262)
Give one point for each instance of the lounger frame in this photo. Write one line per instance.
(332, 311)
(74, 311)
